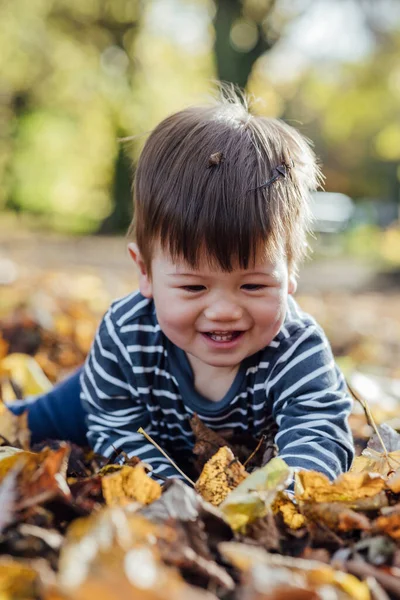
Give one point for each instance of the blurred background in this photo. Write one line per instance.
(83, 82)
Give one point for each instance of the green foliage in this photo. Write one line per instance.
(352, 115)
(76, 76)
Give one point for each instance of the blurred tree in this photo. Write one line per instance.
(74, 77)
(67, 71)
(244, 30)
(352, 114)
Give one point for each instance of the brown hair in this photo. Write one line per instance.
(195, 189)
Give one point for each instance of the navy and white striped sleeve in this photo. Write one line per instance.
(311, 405)
(114, 407)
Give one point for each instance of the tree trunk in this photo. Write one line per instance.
(233, 65)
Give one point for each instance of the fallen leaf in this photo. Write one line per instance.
(14, 428)
(191, 554)
(41, 475)
(118, 549)
(221, 474)
(374, 458)
(129, 484)
(335, 515)
(252, 498)
(348, 487)
(207, 441)
(390, 525)
(18, 580)
(291, 515)
(264, 532)
(25, 371)
(300, 572)
(137, 574)
(8, 496)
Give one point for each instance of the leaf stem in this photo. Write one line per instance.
(150, 439)
(370, 418)
(255, 450)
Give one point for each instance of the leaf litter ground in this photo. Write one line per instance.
(73, 525)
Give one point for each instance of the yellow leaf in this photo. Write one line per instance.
(253, 497)
(325, 575)
(316, 487)
(25, 371)
(129, 484)
(289, 511)
(220, 475)
(18, 580)
(14, 428)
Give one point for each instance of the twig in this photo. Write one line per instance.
(262, 439)
(370, 418)
(150, 439)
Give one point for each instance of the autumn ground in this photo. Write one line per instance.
(53, 292)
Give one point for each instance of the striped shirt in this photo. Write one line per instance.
(135, 377)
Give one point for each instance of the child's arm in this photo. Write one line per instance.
(113, 402)
(311, 405)
(57, 414)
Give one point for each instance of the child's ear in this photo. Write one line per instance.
(292, 285)
(145, 285)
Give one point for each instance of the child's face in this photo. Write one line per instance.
(216, 317)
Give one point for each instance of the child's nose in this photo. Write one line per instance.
(223, 310)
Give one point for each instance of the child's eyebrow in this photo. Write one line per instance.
(244, 274)
(194, 274)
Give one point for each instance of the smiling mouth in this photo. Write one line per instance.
(223, 336)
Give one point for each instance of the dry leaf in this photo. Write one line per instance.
(18, 580)
(335, 515)
(116, 548)
(291, 515)
(374, 457)
(41, 475)
(207, 441)
(26, 373)
(130, 484)
(390, 525)
(221, 474)
(137, 574)
(14, 428)
(348, 487)
(299, 572)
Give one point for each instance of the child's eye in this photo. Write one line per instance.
(253, 286)
(193, 288)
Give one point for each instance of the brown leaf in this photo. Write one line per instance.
(221, 474)
(264, 532)
(190, 553)
(207, 442)
(390, 525)
(243, 445)
(43, 477)
(335, 515)
(117, 549)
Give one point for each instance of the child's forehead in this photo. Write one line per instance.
(264, 261)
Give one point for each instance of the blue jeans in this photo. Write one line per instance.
(56, 415)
